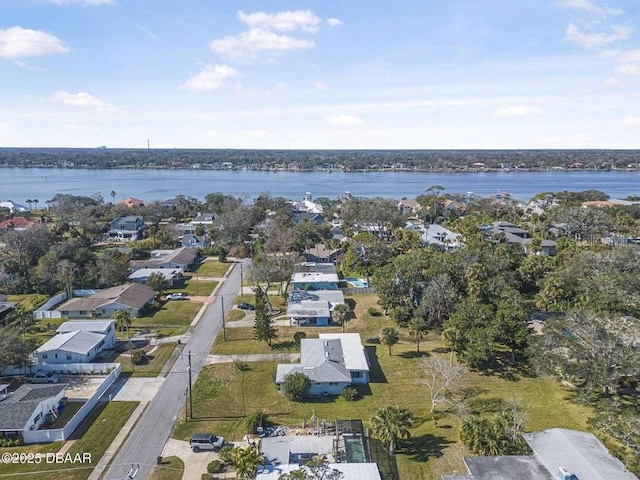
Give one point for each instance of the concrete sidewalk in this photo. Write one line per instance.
(257, 357)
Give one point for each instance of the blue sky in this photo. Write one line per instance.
(431, 74)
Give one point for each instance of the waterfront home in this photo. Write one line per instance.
(332, 362)
(308, 205)
(15, 207)
(408, 206)
(126, 228)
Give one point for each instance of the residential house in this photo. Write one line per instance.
(313, 307)
(132, 202)
(71, 347)
(515, 235)
(205, 219)
(345, 448)
(314, 281)
(184, 258)
(301, 217)
(308, 267)
(332, 362)
(18, 224)
(308, 205)
(169, 274)
(441, 237)
(27, 408)
(195, 241)
(320, 253)
(408, 206)
(126, 228)
(558, 454)
(14, 207)
(132, 297)
(102, 327)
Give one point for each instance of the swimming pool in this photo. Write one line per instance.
(358, 282)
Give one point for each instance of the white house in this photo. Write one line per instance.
(28, 407)
(332, 362)
(441, 237)
(14, 207)
(71, 347)
(314, 281)
(103, 327)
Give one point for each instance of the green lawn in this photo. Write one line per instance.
(157, 359)
(28, 301)
(234, 315)
(192, 285)
(432, 451)
(95, 440)
(172, 314)
(213, 268)
(172, 468)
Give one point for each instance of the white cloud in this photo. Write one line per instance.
(597, 40)
(17, 42)
(82, 100)
(320, 86)
(624, 56)
(628, 69)
(632, 121)
(211, 78)
(590, 7)
(334, 22)
(247, 45)
(344, 120)
(282, 21)
(82, 2)
(517, 111)
(612, 81)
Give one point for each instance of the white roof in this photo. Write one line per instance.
(96, 326)
(308, 308)
(355, 357)
(351, 471)
(310, 277)
(73, 342)
(167, 273)
(581, 453)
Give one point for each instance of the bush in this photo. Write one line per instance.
(373, 311)
(298, 336)
(225, 453)
(214, 466)
(350, 394)
(137, 356)
(253, 421)
(296, 387)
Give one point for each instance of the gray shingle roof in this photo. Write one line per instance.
(16, 410)
(320, 360)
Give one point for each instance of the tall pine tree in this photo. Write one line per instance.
(263, 329)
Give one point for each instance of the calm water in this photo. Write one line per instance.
(21, 184)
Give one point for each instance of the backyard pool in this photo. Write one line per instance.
(358, 282)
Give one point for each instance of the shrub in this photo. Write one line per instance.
(137, 356)
(350, 394)
(298, 336)
(254, 420)
(373, 311)
(296, 386)
(225, 453)
(214, 466)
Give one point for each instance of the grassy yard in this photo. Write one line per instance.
(94, 440)
(172, 468)
(157, 360)
(431, 452)
(235, 315)
(28, 301)
(172, 314)
(213, 268)
(193, 285)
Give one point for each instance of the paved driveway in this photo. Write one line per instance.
(136, 389)
(195, 464)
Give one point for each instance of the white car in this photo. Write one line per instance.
(177, 296)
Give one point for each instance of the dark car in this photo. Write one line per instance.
(246, 306)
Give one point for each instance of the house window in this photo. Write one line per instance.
(356, 374)
(56, 355)
(45, 356)
(69, 357)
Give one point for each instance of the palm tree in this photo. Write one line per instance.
(340, 313)
(246, 461)
(390, 424)
(417, 329)
(389, 336)
(35, 201)
(113, 196)
(123, 317)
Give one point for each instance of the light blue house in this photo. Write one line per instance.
(314, 281)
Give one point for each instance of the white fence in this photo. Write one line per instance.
(52, 435)
(45, 311)
(64, 368)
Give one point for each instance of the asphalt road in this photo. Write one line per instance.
(148, 437)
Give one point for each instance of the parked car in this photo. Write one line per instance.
(177, 296)
(246, 306)
(44, 377)
(206, 441)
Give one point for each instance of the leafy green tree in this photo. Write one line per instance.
(157, 283)
(340, 314)
(263, 329)
(15, 350)
(296, 386)
(123, 319)
(497, 435)
(390, 424)
(510, 325)
(112, 268)
(389, 336)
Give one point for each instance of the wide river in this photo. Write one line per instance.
(20, 184)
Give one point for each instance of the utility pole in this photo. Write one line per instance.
(241, 282)
(190, 391)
